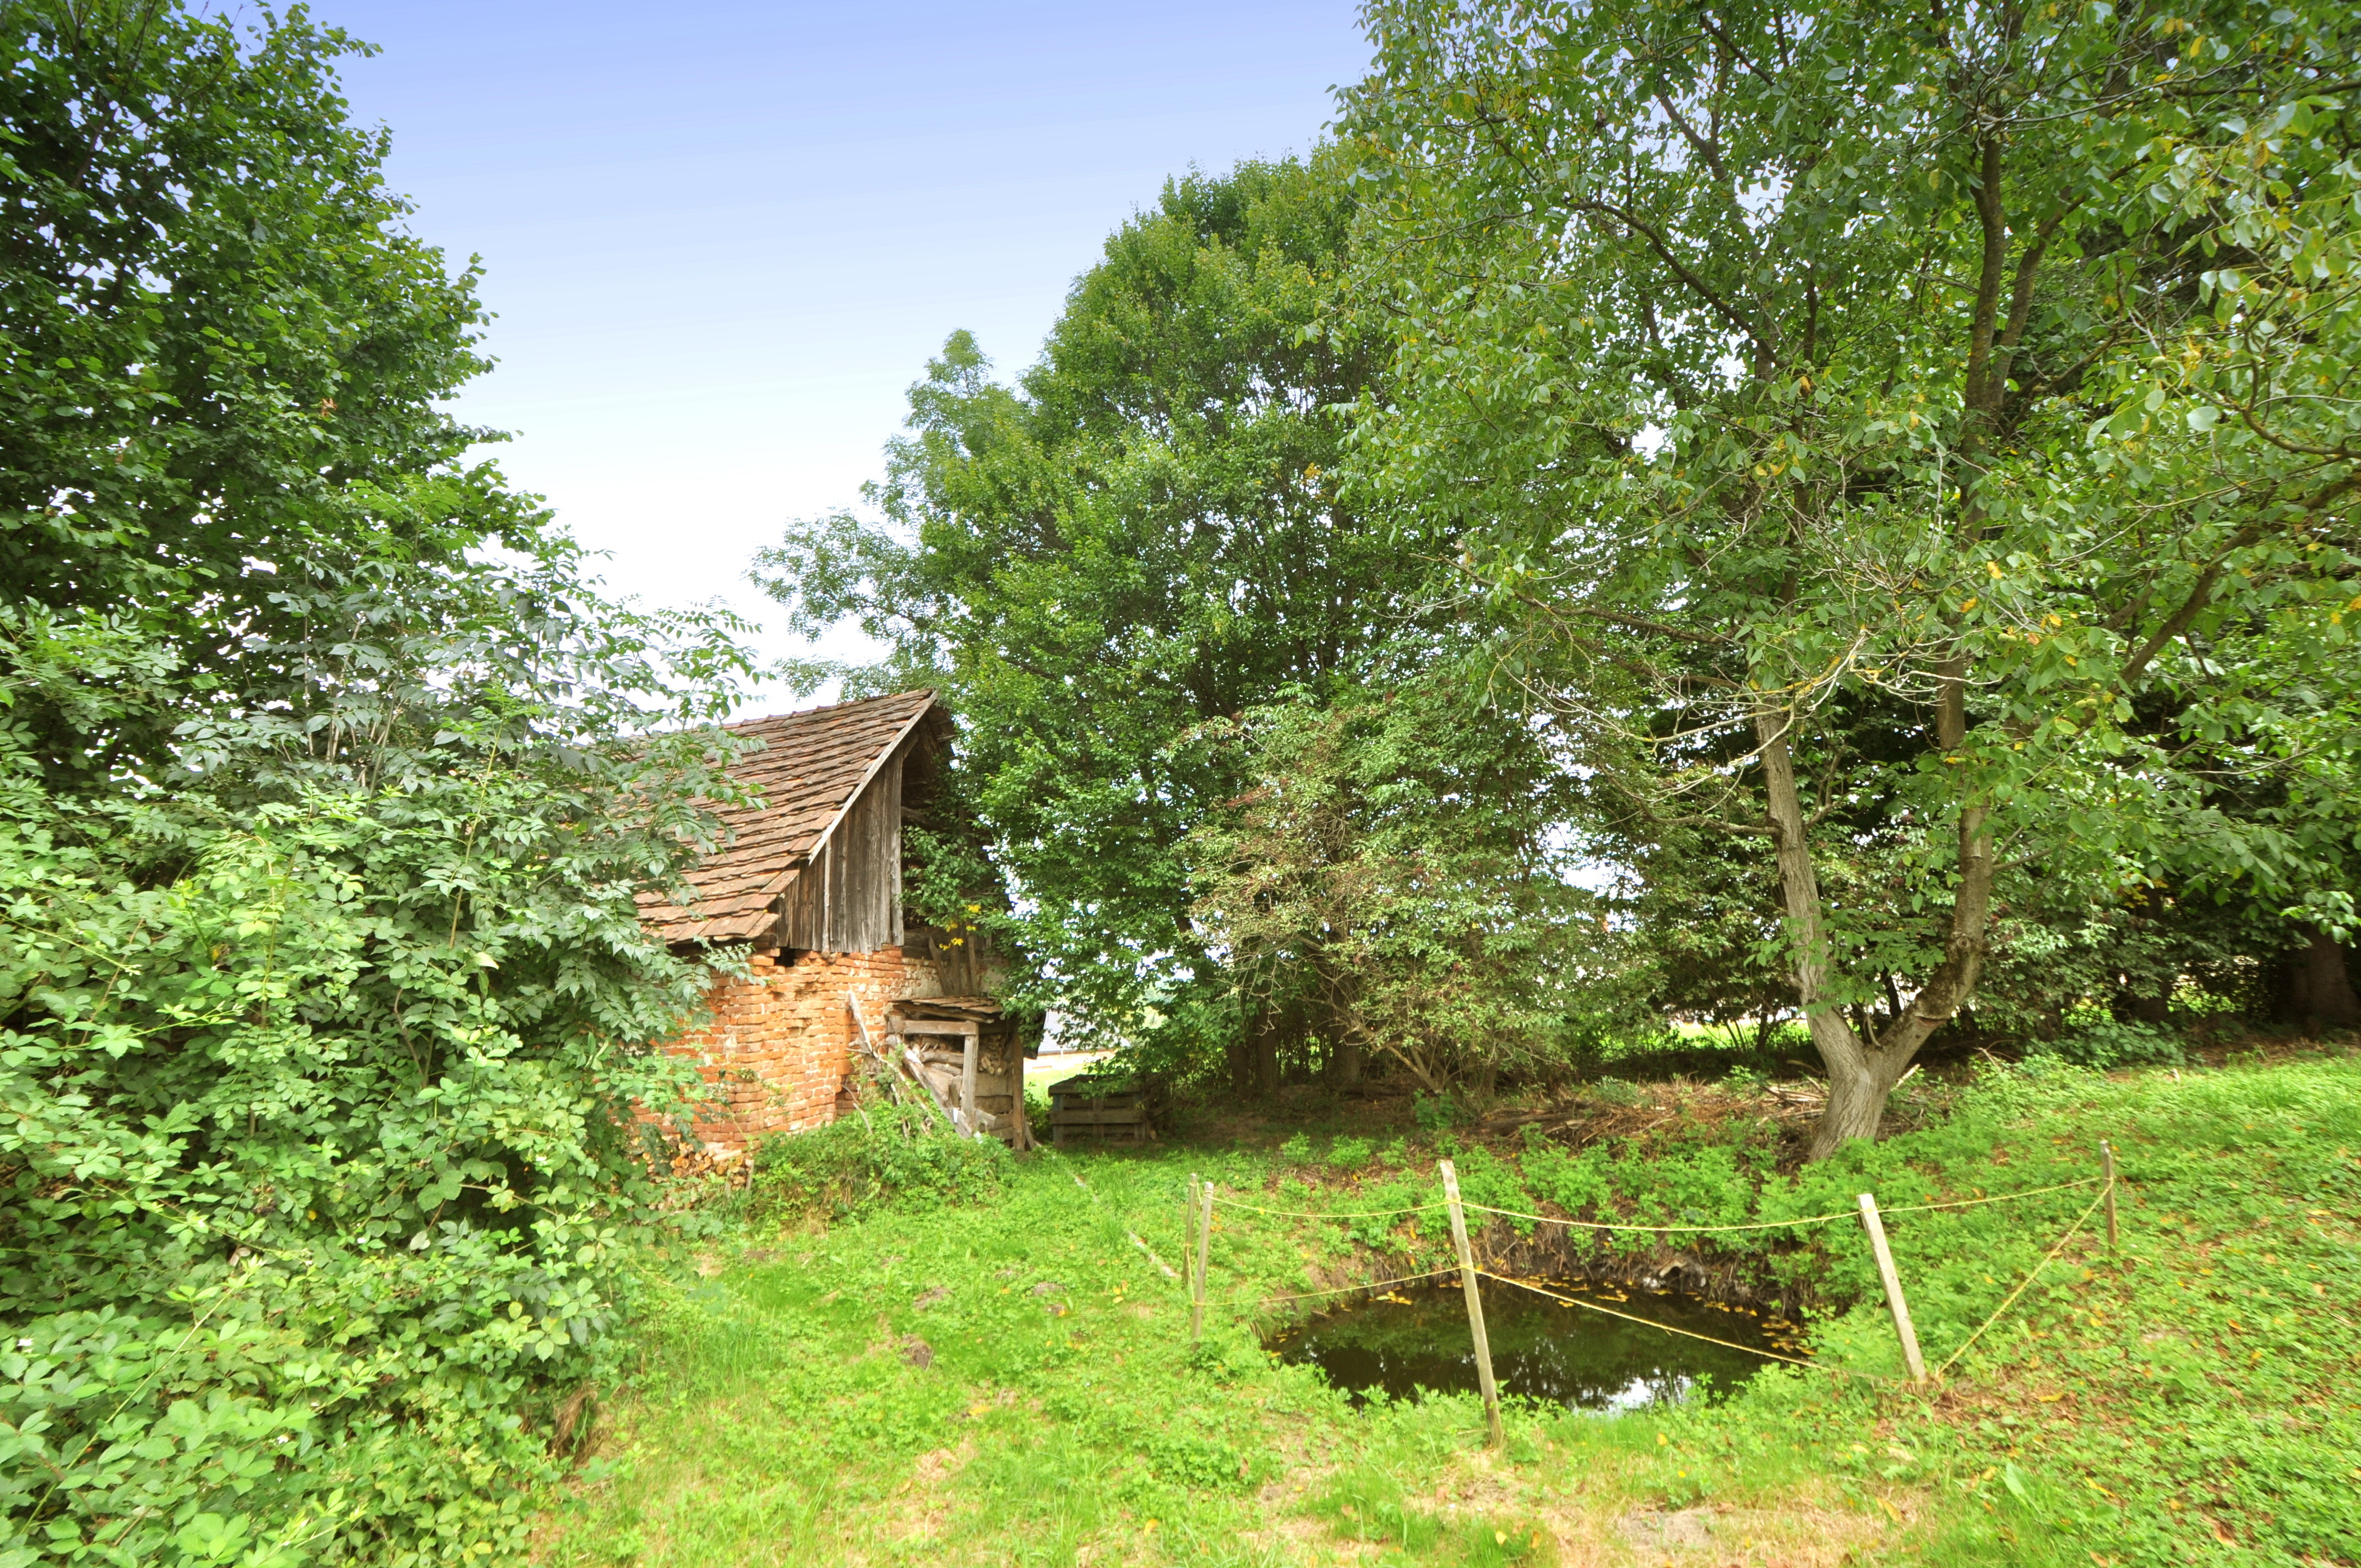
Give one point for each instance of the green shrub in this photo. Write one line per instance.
(327, 787)
(1437, 1112)
(1350, 1154)
(887, 1155)
(1619, 1091)
(2112, 1043)
(316, 1165)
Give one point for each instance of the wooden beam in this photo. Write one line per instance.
(967, 1075)
(869, 1047)
(1902, 1329)
(898, 1025)
(1484, 1381)
(918, 1071)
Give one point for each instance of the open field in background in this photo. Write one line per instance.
(1010, 1381)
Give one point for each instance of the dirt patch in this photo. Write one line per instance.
(938, 1466)
(931, 1510)
(1654, 1531)
(1797, 1535)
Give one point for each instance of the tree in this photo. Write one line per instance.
(225, 359)
(1813, 375)
(1139, 536)
(1389, 876)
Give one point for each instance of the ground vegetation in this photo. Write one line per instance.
(901, 1381)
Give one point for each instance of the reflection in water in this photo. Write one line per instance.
(1541, 1349)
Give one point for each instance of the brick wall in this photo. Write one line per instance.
(779, 1048)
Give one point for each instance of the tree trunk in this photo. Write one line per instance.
(1862, 1072)
(1857, 1091)
(1266, 1057)
(1240, 1051)
(2328, 998)
(1344, 1064)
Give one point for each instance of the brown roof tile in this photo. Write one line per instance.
(810, 766)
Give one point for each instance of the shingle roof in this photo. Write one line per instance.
(812, 766)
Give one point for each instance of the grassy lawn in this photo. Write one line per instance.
(1011, 1381)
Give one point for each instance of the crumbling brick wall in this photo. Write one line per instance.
(779, 1048)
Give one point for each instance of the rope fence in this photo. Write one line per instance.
(2035, 1273)
(1203, 1200)
(1654, 1230)
(1371, 1287)
(1639, 1227)
(1332, 1214)
(1998, 1197)
(1651, 1323)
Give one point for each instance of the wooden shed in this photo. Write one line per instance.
(967, 1056)
(808, 884)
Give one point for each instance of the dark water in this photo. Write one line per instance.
(1411, 1339)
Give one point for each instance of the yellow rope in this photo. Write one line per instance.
(1340, 1290)
(1650, 1322)
(1346, 1214)
(1603, 1225)
(1996, 1198)
(2048, 1258)
(1776, 1224)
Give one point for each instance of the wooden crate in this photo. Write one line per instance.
(1107, 1109)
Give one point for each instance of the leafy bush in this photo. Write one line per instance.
(1350, 1154)
(1437, 1112)
(2111, 1043)
(318, 1142)
(1196, 1461)
(327, 787)
(888, 1154)
(1619, 1091)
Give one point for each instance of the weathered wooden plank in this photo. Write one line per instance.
(967, 1079)
(1902, 1328)
(891, 781)
(1114, 1116)
(934, 1094)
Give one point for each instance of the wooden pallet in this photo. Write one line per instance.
(1109, 1109)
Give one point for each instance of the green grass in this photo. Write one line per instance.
(1011, 1381)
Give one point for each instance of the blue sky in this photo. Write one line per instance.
(723, 239)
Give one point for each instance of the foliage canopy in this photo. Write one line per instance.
(1924, 444)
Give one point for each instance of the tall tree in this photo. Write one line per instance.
(225, 359)
(1808, 371)
(1141, 535)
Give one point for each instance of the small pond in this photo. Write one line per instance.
(1408, 1340)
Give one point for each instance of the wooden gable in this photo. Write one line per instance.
(817, 865)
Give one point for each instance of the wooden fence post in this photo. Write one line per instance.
(1197, 1274)
(1909, 1335)
(1189, 1234)
(2107, 1167)
(1490, 1391)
